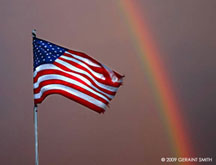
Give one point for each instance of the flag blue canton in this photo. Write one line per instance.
(45, 52)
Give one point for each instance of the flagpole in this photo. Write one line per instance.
(36, 121)
(36, 134)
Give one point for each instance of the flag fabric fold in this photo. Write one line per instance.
(73, 74)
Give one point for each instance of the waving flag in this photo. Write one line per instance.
(73, 74)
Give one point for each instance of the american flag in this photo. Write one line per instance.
(75, 75)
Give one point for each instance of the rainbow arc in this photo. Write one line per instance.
(164, 92)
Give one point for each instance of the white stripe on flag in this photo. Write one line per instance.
(73, 68)
(98, 75)
(72, 92)
(53, 67)
(84, 59)
(68, 80)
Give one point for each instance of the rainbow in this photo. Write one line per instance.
(167, 103)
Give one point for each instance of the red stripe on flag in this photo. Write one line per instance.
(107, 80)
(52, 71)
(48, 82)
(69, 70)
(84, 56)
(95, 68)
(100, 69)
(70, 96)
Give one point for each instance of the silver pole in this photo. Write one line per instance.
(36, 134)
(36, 120)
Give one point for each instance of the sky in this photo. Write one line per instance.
(131, 131)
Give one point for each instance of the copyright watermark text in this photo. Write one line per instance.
(186, 159)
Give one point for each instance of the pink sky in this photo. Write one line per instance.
(131, 132)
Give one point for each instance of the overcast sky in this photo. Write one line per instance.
(131, 132)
